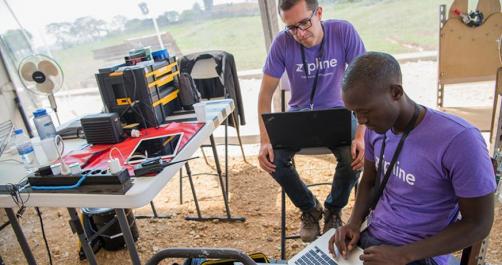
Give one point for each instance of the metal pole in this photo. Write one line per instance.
(77, 228)
(189, 173)
(283, 224)
(158, 33)
(20, 237)
(226, 154)
(218, 169)
(181, 185)
(126, 232)
(155, 215)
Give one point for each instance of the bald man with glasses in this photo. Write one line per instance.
(314, 54)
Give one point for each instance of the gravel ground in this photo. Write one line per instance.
(253, 194)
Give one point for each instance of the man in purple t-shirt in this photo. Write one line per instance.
(314, 54)
(436, 165)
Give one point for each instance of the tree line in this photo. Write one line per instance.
(89, 29)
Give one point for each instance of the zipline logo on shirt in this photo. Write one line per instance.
(399, 172)
(311, 67)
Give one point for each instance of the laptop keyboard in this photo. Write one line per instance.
(315, 256)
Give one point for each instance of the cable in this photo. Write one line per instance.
(148, 108)
(134, 82)
(15, 193)
(134, 100)
(118, 150)
(58, 139)
(68, 187)
(43, 234)
(64, 167)
(139, 113)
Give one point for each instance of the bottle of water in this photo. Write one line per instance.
(43, 123)
(46, 132)
(26, 151)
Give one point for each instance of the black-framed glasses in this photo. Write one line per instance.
(303, 25)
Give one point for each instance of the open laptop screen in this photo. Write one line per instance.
(304, 129)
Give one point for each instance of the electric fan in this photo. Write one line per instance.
(41, 75)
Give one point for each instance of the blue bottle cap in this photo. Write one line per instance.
(160, 55)
(18, 131)
(39, 112)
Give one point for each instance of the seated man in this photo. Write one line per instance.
(442, 169)
(314, 53)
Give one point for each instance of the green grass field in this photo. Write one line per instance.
(395, 26)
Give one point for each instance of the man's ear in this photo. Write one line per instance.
(396, 91)
(319, 12)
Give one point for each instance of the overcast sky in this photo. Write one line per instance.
(34, 15)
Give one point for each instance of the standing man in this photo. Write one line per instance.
(314, 54)
(423, 169)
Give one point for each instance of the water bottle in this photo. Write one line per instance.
(26, 151)
(46, 132)
(43, 123)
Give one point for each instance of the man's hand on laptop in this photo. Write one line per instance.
(266, 158)
(357, 152)
(345, 240)
(384, 254)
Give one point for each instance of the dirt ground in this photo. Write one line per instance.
(253, 194)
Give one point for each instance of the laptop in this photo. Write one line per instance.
(317, 253)
(304, 129)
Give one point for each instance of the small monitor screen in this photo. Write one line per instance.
(165, 146)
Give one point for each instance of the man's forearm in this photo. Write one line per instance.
(457, 236)
(268, 86)
(362, 203)
(264, 106)
(360, 130)
(477, 219)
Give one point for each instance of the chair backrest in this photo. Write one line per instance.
(204, 69)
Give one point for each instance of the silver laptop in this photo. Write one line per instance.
(317, 253)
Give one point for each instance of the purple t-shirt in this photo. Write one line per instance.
(341, 45)
(442, 159)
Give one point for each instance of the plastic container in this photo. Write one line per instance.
(43, 123)
(112, 236)
(160, 55)
(25, 151)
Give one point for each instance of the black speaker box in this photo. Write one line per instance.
(102, 128)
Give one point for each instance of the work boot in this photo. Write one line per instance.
(310, 228)
(331, 220)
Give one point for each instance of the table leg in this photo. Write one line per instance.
(126, 232)
(20, 236)
(77, 228)
(228, 217)
(218, 170)
(226, 156)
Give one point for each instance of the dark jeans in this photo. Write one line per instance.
(344, 179)
(367, 240)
